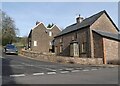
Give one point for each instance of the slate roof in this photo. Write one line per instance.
(108, 34)
(86, 22)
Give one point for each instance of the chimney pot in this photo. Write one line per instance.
(79, 19)
(37, 22)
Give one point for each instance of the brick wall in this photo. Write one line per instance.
(104, 24)
(82, 36)
(111, 50)
(98, 46)
(39, 34)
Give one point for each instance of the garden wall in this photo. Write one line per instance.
(61, 59)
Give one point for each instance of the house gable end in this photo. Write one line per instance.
(55, 30)
(105, 23)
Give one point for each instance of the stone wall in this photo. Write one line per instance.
(61, 59)
(103, 23)
(80, 36)
(111, 50)
(98, 46)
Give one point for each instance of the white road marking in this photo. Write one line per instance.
(50, 69)
(69, 69)
(17, 75)
(75, 70)
(51, 73)
(38, 74)
(64, 71)
(85, 70)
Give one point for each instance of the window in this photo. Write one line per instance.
(74, 37)
(29, 45)
(35, 43)
(61, 40)
(50, 33)
(60, 48)
(50, 43)
(83, 47)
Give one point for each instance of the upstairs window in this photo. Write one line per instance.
(74, 37)
(50, 43)
(50, 33)
(61, 48)
(83, 47)
(35, 43)
(61, 40)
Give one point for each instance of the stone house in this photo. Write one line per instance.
(41, 38)
(94, 37)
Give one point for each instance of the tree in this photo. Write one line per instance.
(23, 40)
(9, 30)
(50, 25)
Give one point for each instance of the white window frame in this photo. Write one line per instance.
(50, 43)
(50, 33)
(35, 43)
(83, 47)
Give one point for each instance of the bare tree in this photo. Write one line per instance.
(9, 30)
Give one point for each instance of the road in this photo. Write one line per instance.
(21, 70)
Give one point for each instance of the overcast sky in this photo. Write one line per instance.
(25, 14)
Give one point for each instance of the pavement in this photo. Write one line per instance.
(21, 70)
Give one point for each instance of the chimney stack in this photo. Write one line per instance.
(79, 19)
(37, 22)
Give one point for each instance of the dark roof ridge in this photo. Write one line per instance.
(111, 35)
(86, 22)
(101, 12)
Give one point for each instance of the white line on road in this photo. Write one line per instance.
(75, 71)
(85, 70)
(51, 73)
(38, 74)
(50, 69)
(17, 75)
(64, 71)
(69, 69)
